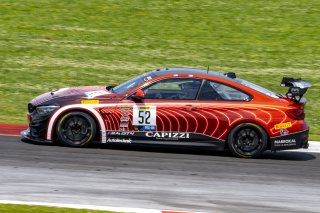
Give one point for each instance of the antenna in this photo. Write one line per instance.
(208, 69)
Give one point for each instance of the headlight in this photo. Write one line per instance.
(46, 110)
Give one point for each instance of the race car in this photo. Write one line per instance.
(175, 106)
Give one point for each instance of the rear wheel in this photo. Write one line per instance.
(76, 129)
(247, 140)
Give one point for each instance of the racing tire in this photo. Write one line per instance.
(76, 129)
(248, 140)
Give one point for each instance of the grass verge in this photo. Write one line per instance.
(13, 208)
(51, 44)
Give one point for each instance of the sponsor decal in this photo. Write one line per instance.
(285, 142)
(119, 133)
(124, 124)
(125, 107)
(119, 140)
(124, 119)
(144, 108)
(144, 115)
(94, 94)
(284, 132)
(89, 101)
(283, 125)
(144, 128)
(168, 135)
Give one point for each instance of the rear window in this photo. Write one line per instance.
(258, 88)
(217, 91)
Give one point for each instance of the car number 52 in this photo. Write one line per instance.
(144, 115)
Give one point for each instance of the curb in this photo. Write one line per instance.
(12, 129)
(89, 207)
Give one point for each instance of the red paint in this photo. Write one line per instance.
(12, 129)
(214, 120)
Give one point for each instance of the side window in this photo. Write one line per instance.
(174, 88)
(216, 91)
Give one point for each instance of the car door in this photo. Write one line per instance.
(167, 113)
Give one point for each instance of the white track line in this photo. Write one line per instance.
(314, 146)
(76, 206)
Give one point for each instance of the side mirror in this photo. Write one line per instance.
(138, 96)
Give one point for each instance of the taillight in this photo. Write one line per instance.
(296, 114)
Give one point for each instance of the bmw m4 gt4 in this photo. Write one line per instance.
(175, 106)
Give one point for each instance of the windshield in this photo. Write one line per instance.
(258, 88)
(129, 85)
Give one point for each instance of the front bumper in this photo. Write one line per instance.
(37, 128)
(26, 134)
(292, 141)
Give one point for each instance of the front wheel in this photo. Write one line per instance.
(247, 140)
(76, 129)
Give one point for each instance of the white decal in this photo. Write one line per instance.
(144, 115)
(95, 93)
(285, 142)
(170, 135)
(121, 133)
(119, 140)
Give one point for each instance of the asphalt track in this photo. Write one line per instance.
(176, 179)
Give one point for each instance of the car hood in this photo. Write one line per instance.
(73, 95)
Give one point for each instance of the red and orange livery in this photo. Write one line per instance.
(175, 106)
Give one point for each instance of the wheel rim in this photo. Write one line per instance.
(247, 141)
(76, 130)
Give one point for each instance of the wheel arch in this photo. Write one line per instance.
(247, 122)
(52, 123)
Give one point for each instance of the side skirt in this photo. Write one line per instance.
(165, 138)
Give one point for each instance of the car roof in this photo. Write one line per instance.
(190, 71)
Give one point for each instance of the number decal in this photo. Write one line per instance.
(141, 117)
(144, 115)
(147, 113)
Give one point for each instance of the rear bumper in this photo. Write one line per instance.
(292, 141)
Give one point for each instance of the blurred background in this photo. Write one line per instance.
(51, 44)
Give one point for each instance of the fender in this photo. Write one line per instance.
(86, 107)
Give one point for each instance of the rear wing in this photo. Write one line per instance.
(297, 87)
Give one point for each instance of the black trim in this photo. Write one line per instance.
(292, 141)
(26, 136)
(164, 138)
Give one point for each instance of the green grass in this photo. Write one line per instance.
(11, 208)
(50, 44)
